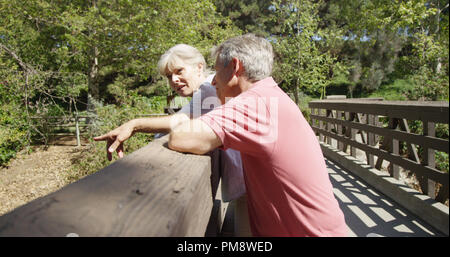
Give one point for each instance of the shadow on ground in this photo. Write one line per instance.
(369, 212)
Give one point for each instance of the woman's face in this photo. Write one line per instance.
(185, 79)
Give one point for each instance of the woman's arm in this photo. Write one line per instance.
(158, 124)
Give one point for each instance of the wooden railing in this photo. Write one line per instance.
(51, 126)
(152, 192)
(54, 126)
(380, 129)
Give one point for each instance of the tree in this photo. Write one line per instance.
(248, 15)
(110, 41)
(385, 39)
(115, 44)
(60, 55)
(301, 63)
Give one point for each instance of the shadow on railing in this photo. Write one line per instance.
(152, 192)
(378, 132)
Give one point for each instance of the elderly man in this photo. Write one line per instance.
(289, 192)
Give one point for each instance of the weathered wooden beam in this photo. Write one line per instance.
(428, 186)
(426, 141)
(336, 96)
(435, 111)
(152, 192)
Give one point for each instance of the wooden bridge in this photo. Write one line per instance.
(369, 145)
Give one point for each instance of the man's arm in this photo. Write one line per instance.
(115, 138)
(193, 136)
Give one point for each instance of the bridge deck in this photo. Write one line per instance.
(367, 211)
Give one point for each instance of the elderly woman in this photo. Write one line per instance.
(185, 68)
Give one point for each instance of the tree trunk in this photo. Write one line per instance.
(438, 14)
(296, 92)
(93, 90)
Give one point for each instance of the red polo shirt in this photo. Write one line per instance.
(289, 191)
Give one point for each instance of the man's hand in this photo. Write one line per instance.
(115, 138)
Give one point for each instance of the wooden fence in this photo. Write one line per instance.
(380, 128)
(51, 126)
(151, 192)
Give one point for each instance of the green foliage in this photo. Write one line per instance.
(442, 161)
(11, 141)
(115, 45)
(301, 63)
(110, 117)
(249, 15)
(388, 40)
(13, 129)
(396, 91)
(55, 54)
(303, 101)
(429, 86)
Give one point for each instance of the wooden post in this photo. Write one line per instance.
(429, 186)
(394, 168)
(378, 123)
(347, 131)
(339, 130)
(77, 128)
(385, 144)
(321, 126)
(313, 121)
(411, 148)
(328, 114)
(353, 131)
(371, 140)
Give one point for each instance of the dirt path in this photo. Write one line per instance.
(31, 176)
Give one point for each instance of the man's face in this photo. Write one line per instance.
(223, 80)
(184, 79)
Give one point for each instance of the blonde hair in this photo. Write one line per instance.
(187, 54)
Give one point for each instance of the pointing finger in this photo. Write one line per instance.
(102, 137)
(114, 146)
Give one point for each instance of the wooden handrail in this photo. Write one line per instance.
(431, 142)
(342, 119)
(153, 191)
(436, 111)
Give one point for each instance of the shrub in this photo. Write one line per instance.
(109, 117)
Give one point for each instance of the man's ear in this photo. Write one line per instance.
(238, 68)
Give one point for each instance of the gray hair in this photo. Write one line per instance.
(255, 53)
(180, 53)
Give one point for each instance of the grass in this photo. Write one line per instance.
(396, 91)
